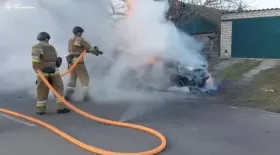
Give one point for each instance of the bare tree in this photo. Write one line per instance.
(183, 10)
(218, 4)
(118, 9)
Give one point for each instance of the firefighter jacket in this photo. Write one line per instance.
(76, 45)
(44, 55)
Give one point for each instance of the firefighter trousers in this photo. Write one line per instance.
(80, 72)
(43, 91)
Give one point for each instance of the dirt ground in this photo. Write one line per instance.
(249, 83)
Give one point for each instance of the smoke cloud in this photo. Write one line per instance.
(144, 34)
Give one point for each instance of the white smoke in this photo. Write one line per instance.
(145, 33)
(148, 33)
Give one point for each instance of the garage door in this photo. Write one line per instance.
(256, 38)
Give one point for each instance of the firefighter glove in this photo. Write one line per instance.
(58, 62)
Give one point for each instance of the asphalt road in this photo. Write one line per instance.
(191, 128)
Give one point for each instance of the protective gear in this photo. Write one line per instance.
(44, 58)
(62, 111)
(76, 46)
(77, 30)
(69, 93)
(58, 62)
(40, 109)
(43, 36)
(79, 72)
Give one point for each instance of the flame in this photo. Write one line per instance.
(130, 6)
(152, 60)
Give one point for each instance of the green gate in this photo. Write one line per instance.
(256, 38)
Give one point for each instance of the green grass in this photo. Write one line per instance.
(235, 71)
(259, 96)
(262, 93)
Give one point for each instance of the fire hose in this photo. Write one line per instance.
(81, 144)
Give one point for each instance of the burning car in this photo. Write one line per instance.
(172, 74)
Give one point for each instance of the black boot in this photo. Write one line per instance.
(68, 95)
(86, 99)
(40, 113)
(40, 110)
(63, 111)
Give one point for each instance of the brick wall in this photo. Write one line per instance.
(226, 26)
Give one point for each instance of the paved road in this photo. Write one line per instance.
(191, 128)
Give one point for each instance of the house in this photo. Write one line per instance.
(251, 34)
(204, 24)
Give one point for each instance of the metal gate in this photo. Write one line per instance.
(256, 38)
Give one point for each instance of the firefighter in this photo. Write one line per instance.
(76, 45)
(45, 58)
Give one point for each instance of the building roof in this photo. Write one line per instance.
(203, 20)
(256, 10)
(211, 14)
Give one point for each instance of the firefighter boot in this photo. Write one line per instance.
(40, 109)
(86, 96)
(62, 109)
(68, 95)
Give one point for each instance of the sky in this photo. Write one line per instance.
(263, 4)
(257, 4)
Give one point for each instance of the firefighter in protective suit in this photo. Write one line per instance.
(45, 58)
(76, 45)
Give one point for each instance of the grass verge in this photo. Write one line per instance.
(235, 71)
(265, 93)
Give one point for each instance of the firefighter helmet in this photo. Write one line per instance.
(43, 36)
(78, 30)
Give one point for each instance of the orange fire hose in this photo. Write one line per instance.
(75, 64)
(76, 142)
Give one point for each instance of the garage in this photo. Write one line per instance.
(251, 34)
